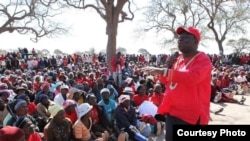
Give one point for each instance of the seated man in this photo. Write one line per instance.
(125, 119)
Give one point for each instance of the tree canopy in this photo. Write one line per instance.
(216, 19)
(112, 12)
(31, 17)
(240, 45)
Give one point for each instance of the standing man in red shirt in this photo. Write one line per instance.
(188, 83)
(117, 63)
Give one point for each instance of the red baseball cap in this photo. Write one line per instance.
(192, 30)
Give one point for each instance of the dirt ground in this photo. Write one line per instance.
(232, 114)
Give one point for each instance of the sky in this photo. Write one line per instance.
(88, 31)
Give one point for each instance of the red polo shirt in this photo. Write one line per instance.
(157, 98)
(189, 100)
(138, 99)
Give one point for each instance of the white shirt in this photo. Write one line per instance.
(30, 64)
(59, 99)
(241, 79)
(148, 108)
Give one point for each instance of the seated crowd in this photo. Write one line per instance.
(87, 104)
(58, 105)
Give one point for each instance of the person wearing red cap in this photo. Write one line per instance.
(117, 63)
(188, 83)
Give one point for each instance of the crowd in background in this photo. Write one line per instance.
(75, 97)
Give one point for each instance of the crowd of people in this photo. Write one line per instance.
(81, 101)
(77, 98)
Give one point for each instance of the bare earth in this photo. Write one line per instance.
(231, 115)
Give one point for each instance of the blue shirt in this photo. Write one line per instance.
(108, 108)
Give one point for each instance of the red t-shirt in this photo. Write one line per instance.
(188, 89)
(34, 137)
(72, 116)
(138, 99)
(36, 86)
(95, 116)
(157, 98)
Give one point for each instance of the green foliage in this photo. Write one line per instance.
(143, 51)
(58, 52)
(122, 50)
(240, 45)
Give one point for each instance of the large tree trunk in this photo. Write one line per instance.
(111, 45)
(220, 47)
(111, 31)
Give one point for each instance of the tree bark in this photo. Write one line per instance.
(220, 47)
(111, 45)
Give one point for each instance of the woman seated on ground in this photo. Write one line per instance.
(43, 106)
(18, 108)
(158, 95)
(70, 111)
(45, 89)
(43, 111)
(32, 108)
(82, 129)
(108, 104)
(100, 122)
(140, 96)
(59, 128)
(224, 95)
(28, 127)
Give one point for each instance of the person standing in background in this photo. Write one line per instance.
(117, 64)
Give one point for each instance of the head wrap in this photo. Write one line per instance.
(79, 86)
(123, 98)
(19, 103)
(21, 121)
(128, 90)
(54, 109)
(22, 96)
(3, 86)
(72, 91)
(89, 95)
(41, 96)
(45, 84)
(68, 103)
(105, 90)
(59, 83)
(5, 92)
(64, 87)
